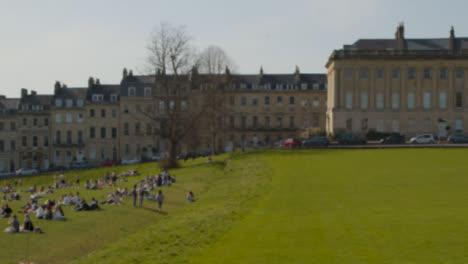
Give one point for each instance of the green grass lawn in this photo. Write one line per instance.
(314, 206)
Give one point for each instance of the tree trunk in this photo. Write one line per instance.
(172, 160)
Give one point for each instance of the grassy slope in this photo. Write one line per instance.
(356, 206)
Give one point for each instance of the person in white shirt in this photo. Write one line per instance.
(66, 201)
(40, 212)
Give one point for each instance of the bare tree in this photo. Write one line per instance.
(215, 65)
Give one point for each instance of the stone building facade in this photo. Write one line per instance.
(406, 86)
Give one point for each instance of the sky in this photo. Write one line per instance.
(69, 41)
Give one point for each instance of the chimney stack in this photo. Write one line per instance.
(24, 92)
(261, 71)
(297, 73)
(98, 82)
(400, 36)
(90, 82)
(33, 92)
(452, 39)
(124, 73)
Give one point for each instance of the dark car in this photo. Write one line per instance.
(350, 139)
(457, 138)
(393, 139)
(315, 141)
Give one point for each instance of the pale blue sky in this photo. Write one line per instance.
(44, 41)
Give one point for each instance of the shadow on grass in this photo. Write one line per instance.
(155, 211)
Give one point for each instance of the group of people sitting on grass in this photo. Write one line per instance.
(27, 227)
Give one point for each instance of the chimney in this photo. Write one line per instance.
(297, 73)
(452, 39)
(124, 73)
(2, 97)
(24, 92)
(261, 72)
(56, 87)
(98, 82)
(400, 36)
(33, 92)
(227, 71)
(130, 73)
(90, 82)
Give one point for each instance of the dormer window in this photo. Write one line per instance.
(58, 102)
(97, 97)
(147, 91)
(303, 86)
(113, 98)
(69, 103)
(316, 86)
(131, 91)
(243, 86)
(267, 86)
(80, 103)
(254, 87)
(279, 86)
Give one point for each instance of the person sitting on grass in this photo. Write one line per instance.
(87, 184)
(27, 225)
(66, 200)
(94, 205)
(13, 225)
(48, 215)
(6, 211)
(40, 212)
(75, 199)
(190, 197)
(58, 214)
(82, 206)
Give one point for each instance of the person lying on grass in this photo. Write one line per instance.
(94, 205)
(13, 225)
(6, 211)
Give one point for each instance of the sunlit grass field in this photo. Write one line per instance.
(292, 206)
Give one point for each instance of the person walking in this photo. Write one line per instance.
(160, 200)
(134, 194)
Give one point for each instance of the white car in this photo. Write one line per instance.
(423, 139)
(130, 161)
(22, 172)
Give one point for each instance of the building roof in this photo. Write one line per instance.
(432, 44)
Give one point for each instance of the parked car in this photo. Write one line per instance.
(81, 166)
(457, 138)
(130, 161)
(315, 141)
(23, 172)
(393, 139)
(351, 139)
(108, 164)
(423, 139)
(6, 174)
(292, 143)
(57, 168)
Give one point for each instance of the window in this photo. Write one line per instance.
(254, 101)
(379, 126)
(459, 125)
(380, 101)
(427, 73)
(46, 121)
(243, 121)
(103, 153)
(35, 122)
(68, 156)
(316, 102)
(138, 109)
(363, 101)
(58, 137)
(349, 124)
(91, 112)
(103, 113)
(25, 122)
(443, 73)
(114, 132)
(80, 137)
(103, 132)
(114, 113)
(459, 73)
(13, 126)
(147, 91)
(379, 74)
(349, 100)
(2, 126)
(113, 98)
(291, 122)
(291, 100)
(126, 132)
(80, 102)
(127, 149)
(69, 137)
(69, 103)
(243, 100)
(267, 122)
(395, 126)
(255, 121)
(2, 146)
(12, 145)
(279, 100)
(395, 74)
(395, 101)
(58, 156)
(183, 105)
(279, 122)
(267, 86)
(58, 102)
(24, 141)
(458, 99)
(68, 118)
(443, 100)
(58, 118)
(427, 125)
(411, 74)
(79, 118)
(231, 121)
(35, 141)
(303, 86)
(125, 109)
(171, 105)
(46, 141)
(364, 124)
(267, 100)
(137, 128)
(92, 153)
(92, 132)
(411, 124)
(97, 97)
(131, 91)
(149, 129)
(427, 100)
(315, 120)
(349, 74)
(411, 101)
(162, 106)
(364, 74)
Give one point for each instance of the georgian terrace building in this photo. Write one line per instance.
(407, 86)
(109, 122)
